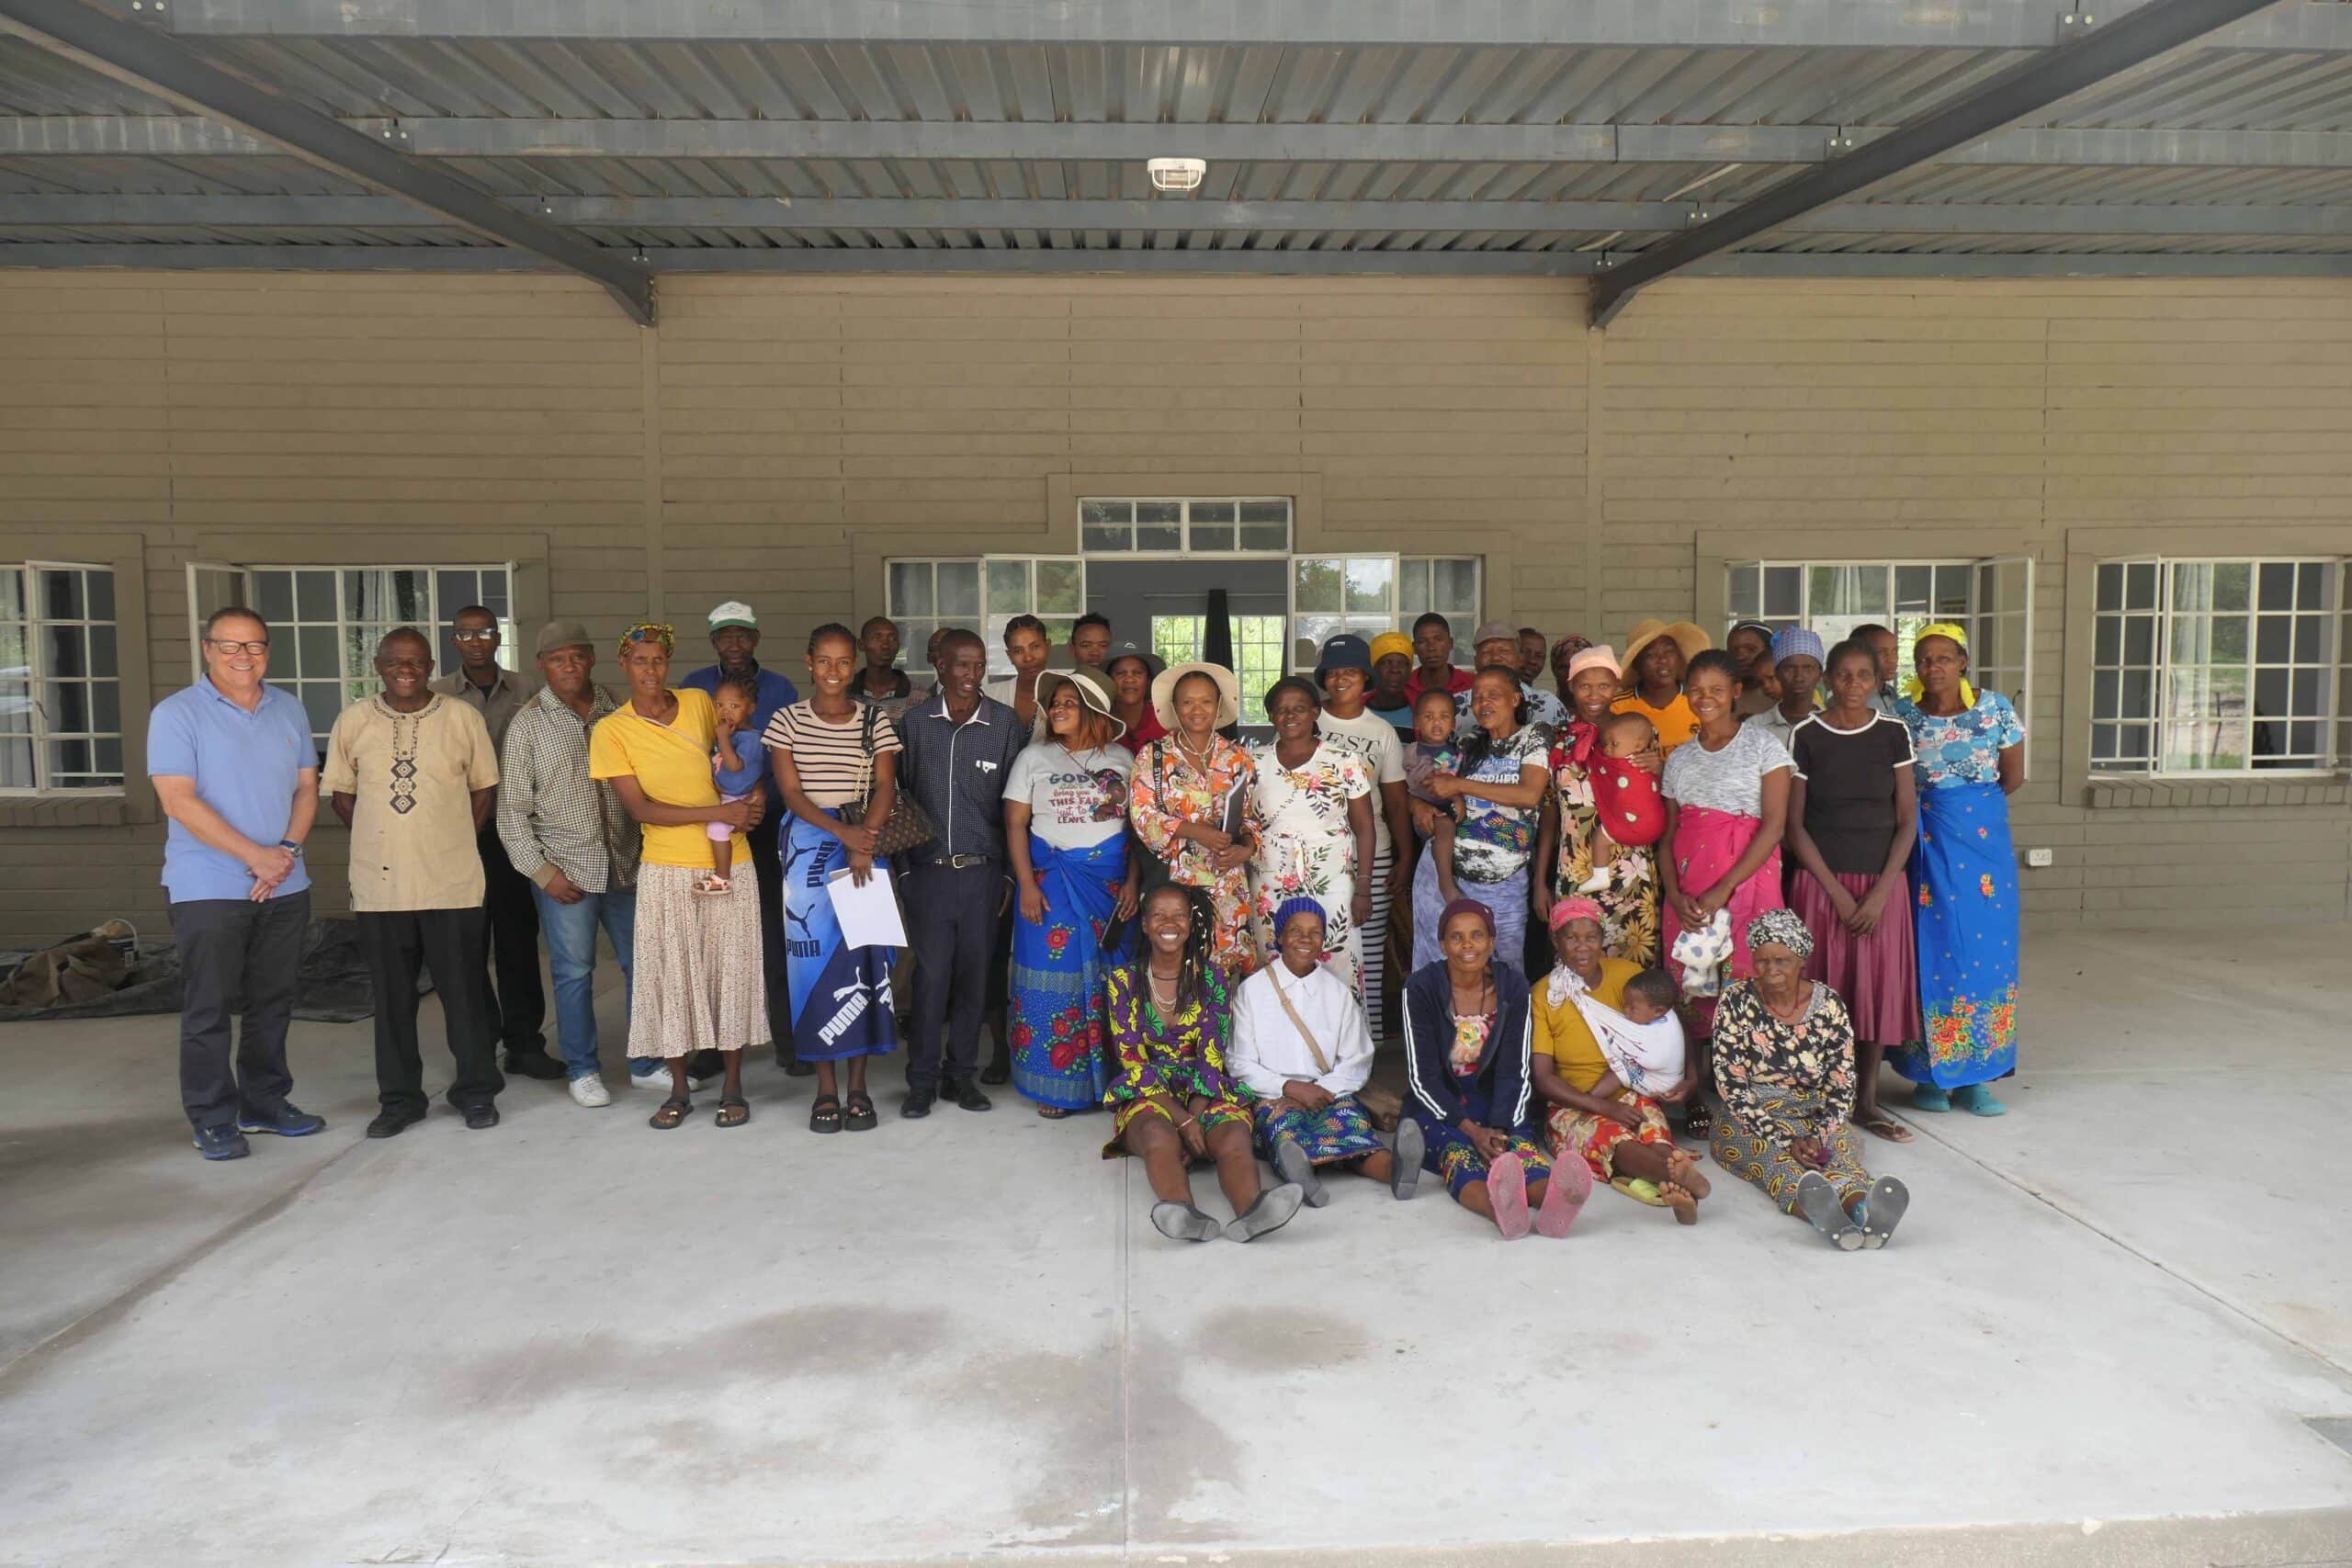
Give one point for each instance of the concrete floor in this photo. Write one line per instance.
(2103, 1337)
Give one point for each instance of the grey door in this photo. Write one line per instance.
(1163, 605)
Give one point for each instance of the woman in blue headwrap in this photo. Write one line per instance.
(1301, 1045)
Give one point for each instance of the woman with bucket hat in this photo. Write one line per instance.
(1065, 828)
(1189, 802)
(1131, 667)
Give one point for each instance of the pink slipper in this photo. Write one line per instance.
(1564, 1198)
(1507, 1190)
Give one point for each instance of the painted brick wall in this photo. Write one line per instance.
(774, 433)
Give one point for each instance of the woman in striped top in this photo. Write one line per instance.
(827, 749)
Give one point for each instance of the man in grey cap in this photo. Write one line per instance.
(735, 638)
(1497, 643)
(574, 839)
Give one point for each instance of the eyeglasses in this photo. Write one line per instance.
(254, 649)
(487, 634)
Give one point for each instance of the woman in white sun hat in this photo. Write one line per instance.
(1190, 802)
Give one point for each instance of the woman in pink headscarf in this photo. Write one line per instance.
(1628, 897)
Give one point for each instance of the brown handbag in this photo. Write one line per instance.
(906, 828)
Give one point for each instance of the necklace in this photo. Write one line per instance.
(1792, 1014)
(1164, 1003)
(1200, 759)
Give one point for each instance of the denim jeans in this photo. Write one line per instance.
(572, 959)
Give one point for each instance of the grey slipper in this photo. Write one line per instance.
(1182, 1221)
(1270, 1213)
(1884, 1211)
(1817, 1202)
(1297, 1169)
(1405, 1176)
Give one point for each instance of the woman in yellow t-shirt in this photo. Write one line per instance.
(696, 981)
(1655, 657)
(1588, 1113)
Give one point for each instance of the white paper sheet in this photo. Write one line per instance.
(869, 915)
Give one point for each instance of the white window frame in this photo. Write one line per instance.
(994, 606)
(2331, 664)
(1465, 654)
(2017, 617)
(1387, 618)
(437, 615)
(37, 678)
(1186, 546)
(1253, 691)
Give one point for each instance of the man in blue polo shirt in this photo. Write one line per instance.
(735, 638)
(236, 772)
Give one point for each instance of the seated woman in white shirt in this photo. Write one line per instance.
(1301, 1045)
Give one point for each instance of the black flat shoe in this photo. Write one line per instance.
(1270, 1213)
(392, 1124)
(969, 1096)
(1182, 1221)
(534, 1065)
(998, 1071)
(479, 1118)
(917, 1104)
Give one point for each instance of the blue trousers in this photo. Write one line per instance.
(572, 960)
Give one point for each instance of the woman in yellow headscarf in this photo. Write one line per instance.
(1970, 752)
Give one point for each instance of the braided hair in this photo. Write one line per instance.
(1198, 956)
(1481, 745)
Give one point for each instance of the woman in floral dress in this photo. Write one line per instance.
(1629, 906)
(1188, 786)
(1312, 804)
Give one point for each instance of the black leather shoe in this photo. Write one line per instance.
(968, 1095)
(917, 1103)
(534, 1065)
(479, 1117)
(392, 1124)
(999, 1070)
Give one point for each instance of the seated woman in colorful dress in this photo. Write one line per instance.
(1590, 1113)
(1971, 751)
(1066, 831)
(1784, 1066)
(1466, 1048)
(1301, 1045)
(1174, 1101)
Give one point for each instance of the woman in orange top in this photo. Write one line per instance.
(1655, 657)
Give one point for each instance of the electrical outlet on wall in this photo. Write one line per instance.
(2039, 858)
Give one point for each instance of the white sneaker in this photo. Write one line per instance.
(590, 1091)
(659, 1079)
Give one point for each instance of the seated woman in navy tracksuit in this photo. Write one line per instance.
(1466, 1048)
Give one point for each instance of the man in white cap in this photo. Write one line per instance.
(1497, 643)
(735, 638)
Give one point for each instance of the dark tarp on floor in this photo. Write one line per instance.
(332, 986)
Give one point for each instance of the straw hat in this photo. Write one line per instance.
(1229, 693)
(1684, 635)
(1094, 689)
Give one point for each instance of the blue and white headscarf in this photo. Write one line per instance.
(1789, 641)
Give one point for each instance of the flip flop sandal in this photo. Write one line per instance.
(673, 1111)
(1405, 1174)
(825, 1115)
(1182, 1221)
(1297, 1169)
(1884, 1126)
(735, 1103)
(1564, 1196)
(1506, 1193)
(1051, 1113)
(1883, 1210)
(1640, 1189)
(861, 1117)
(1817, 1202)
(1270, 1214)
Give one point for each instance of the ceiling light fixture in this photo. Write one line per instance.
(1177, 174)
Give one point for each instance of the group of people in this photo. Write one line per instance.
(1721, 883)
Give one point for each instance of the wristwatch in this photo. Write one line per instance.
(291, 847)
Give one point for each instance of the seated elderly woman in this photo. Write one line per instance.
(1467, 1046)
(1608, 1051)
(1301, 1045)
(1784, 1065)
(1171, 1018)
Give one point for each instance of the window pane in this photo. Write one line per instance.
(1370, 586)
(2310, 639)
(2110, 585)
(2278, 586)
(1160, 525)
(1951, 593)
(59, 594)
(1744, 593)
(1265, 511)
(454, 591)
(12, 594)
(1212, 538)
(274, 597)
(2139, 639)
(910, 588)
(2106, 640)
(1060, 589)
(69, 757)
(2229, 638)
(2140, 586)
(1008, 587)
(2274, 639)
(2192, 586)
(1912, 588)
(1270, 538)
(959, 591)
(2303, 690)
(1413, 584)
(1454, 582)
(2311, 585)
(1317, 585)
(2107, 693)
(102, 652)
(1176, 638)
(1783, 593)
(106, 756)
(1107, 538)
(1312, 632)
(106, 706)
(2233, 584)
(62, 652)
(2139, 695)
(314, 652)
(1212, 511)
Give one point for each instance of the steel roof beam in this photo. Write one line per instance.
(1323, 263)
(1929, 219)
(185, 136)
(150, 61)
(1401, 24)
(2110, 47)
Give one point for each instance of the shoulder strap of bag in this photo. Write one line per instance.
(1322, 1063)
